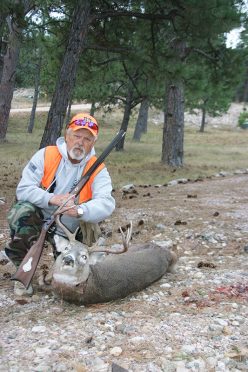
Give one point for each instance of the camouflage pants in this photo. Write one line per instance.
(25, 222)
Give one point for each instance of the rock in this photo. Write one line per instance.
(160, 226)
(39, 329)
(98, 365)
(197, 365)
(165, 285)
(167, 365)
(116, 351)
(172, 183)
(43, 351)
(117, 368)
(164, 243)
(221, 322)
(152, 367)
(137, 340)
(188, 349)
(128, 187)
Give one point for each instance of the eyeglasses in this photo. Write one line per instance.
(85, 122)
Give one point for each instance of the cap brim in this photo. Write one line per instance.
(76, 127)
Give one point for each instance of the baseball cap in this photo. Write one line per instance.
(85, 121)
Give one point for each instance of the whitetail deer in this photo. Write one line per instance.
(84, 276)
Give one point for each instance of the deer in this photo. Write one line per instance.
(88, 276)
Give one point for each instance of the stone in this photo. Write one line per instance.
(38, 329)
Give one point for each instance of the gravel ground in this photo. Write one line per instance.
(192, 320)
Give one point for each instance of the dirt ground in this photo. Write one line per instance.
(207, 223)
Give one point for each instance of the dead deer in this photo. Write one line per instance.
(84, 276)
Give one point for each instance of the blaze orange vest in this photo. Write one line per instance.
(51, 163)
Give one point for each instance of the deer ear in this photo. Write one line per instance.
(96, 257)
(60, 242)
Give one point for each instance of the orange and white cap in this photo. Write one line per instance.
(84, 121)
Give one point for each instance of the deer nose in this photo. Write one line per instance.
(68, 260)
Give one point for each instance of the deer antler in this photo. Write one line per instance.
(71, 236)
(125, 240)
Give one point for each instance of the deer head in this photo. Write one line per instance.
(72, 266)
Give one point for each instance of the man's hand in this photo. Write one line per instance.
(69, 208)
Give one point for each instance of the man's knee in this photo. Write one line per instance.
(25, 221)
(24, 216)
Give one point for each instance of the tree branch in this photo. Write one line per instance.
(201, 52)
(150, 16)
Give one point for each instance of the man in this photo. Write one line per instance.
(46, 182)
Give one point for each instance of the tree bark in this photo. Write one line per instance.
(141, 124)
(15, 23)
(67, 75)
(36, 94)
(3, 49)
(93, 108)
(203, 119)
(126, 116)
(173, 132)
(68, 112)
(7, 85)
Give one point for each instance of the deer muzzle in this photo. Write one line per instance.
(68, 260)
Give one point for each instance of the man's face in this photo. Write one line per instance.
(79, 143)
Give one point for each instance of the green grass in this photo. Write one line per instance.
(140, 163)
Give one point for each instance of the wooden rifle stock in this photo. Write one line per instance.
(27, 268)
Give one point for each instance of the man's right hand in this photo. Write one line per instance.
(69, 208)
(59, 200)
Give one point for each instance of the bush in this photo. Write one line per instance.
(243, 119)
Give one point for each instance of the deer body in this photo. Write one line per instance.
(116, 276)
(85, 277)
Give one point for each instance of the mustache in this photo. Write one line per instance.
(78, 147)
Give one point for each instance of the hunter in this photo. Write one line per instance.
(45, 184)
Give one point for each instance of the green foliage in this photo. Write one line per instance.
(212, 86)
(136, 50)
(141, 50)
(243, 119)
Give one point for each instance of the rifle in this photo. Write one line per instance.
(26, 270)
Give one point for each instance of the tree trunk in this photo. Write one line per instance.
(15, 23)
(68, 112)
(3, 42)
(141, 125)
(203, 119)
(245, 92)
(36, 94)
(3, 50)
(126, 116)
(173, 132)
(7, 85)
(67, 75)
(93, 108)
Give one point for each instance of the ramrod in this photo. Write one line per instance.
(82, 277)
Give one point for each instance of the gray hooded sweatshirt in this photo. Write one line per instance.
(67, 175)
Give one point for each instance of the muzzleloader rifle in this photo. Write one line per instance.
(26, 270)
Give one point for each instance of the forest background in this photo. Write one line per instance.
(140, 66)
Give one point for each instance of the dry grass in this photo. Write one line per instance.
(140, 163)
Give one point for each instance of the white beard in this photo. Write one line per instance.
(74, 156)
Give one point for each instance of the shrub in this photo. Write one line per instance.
(243, 118)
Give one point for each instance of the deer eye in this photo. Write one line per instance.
(84, 257)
